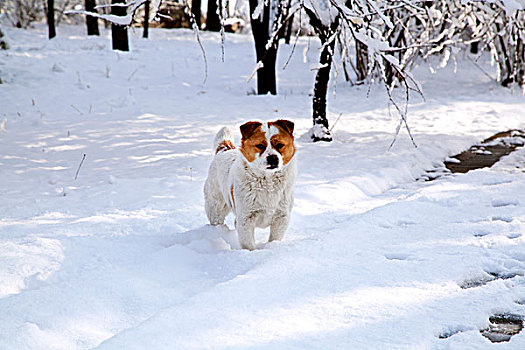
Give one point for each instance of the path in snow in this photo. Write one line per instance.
(486, 153)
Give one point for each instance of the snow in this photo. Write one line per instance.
(122, 257)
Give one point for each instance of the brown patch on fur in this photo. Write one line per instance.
(287, 125)
(249, 143)
(284, 137)
(247, 129)
(224, 146)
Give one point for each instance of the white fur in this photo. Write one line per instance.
(261, 197)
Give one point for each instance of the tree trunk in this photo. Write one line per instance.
(91, 22)
(51, 18)
(213, 22)
(145, 33)
(320, 130)
(287, 34)
(266, 79)
(520, 57)
(196, 10)
(474, 47)
(119, 34)
(361, 60)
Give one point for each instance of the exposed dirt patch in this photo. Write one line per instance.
(487, 152)
(502, 327)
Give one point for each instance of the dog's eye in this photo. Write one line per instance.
(279, 146)
(261, 146)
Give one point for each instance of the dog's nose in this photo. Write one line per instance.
(272, 161)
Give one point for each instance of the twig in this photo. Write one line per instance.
(295, 43)
(333, 125)
(76, 109)
(195, 28)
(81, 162)
(481, 69)
(132, 74)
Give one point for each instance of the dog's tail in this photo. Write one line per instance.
(224, 140)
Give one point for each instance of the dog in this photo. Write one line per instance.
(255, 181)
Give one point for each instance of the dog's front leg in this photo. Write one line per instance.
(278, 226)
(245, 225)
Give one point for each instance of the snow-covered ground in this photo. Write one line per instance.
(121, 257)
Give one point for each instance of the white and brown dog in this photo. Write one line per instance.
(255, 182)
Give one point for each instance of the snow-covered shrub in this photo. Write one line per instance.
(21, 13)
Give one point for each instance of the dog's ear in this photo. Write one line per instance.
(248, 128)
(286, 125)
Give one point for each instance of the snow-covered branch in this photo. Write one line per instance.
(126, 20)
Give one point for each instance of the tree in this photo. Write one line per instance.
(196, 10)
(213, 21)
(51, 18)
(326, 30)
(91, 22)
(268, 20)
(145, 33)
(119, 32)
(266, 56)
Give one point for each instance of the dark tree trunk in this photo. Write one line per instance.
(266, 77)
(145, 33)
(321, 131)
(51, 18)
(288, 33)
(119, 34)
(320, 91)
(474, 47)
(288, 29)
(91, 22)
(196, 10)
(266, 80)
(213, 22)
(361, 60)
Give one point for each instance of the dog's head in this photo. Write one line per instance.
(268, 146)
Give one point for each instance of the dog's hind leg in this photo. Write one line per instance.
(216, 215)
(216, 208)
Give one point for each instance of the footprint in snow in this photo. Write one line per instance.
(205, 239)
(453, 330)
(502, 218)
(497, 203)
(481, 233)
(399, 256)
(514, 235)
